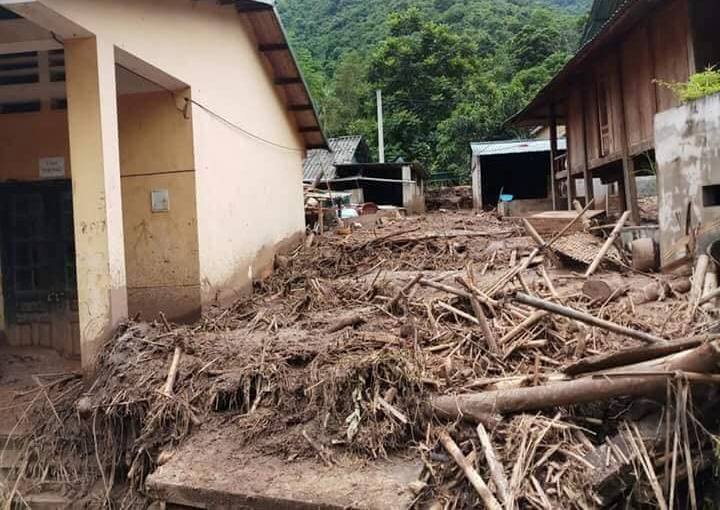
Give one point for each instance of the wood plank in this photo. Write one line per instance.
(552, 222)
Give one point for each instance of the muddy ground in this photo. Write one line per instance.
(336, 358)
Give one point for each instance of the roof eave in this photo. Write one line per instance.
(312, 133)
(625, 15)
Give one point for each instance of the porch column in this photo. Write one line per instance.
(97, 203)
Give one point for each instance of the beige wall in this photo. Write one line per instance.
(27, 137)
(156, 152)
(161, 248)
(249, 192)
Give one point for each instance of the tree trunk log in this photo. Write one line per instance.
(703, 359)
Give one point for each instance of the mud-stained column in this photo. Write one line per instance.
(97, 203)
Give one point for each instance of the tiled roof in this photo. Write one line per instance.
(320, 163)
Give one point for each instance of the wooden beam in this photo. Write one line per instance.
(310, 129)
(587, 174)
(288, 80)
(300, 107)
(314, 146)
(653, 66)
(266, 48)
(630, 185)
(553, 155)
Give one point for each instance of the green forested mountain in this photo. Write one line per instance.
(451, 71)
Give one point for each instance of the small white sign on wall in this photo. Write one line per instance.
(160, 200)
(52, 168)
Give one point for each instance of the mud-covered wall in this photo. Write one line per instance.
(161, 247)
(688, 159)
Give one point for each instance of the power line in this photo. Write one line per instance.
(216, 115)
(241, 129)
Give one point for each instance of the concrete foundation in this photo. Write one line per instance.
(251, 481)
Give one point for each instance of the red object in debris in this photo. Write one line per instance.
(368, 208)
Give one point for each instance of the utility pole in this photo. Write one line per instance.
(381, 132)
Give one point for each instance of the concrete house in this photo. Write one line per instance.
(608, 94)
(151, 157)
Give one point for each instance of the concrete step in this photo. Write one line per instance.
(13, 441)
(46, 501)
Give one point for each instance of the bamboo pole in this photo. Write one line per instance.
(472, 475)
(698, 279)
(172, 373)
(586, 318)
(610, 241)
(497, 472)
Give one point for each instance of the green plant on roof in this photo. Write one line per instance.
(700, 85)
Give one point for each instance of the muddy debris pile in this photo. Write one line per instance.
(449, 198)
(517, 378)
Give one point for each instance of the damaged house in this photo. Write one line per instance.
(608, 94)
(135, 161)
(345, 167)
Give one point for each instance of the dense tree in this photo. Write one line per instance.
(420, 67)
(451, 71)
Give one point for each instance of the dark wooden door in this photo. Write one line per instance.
(38, 265)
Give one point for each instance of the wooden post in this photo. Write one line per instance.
(553, 155)
(610, 241)
(587, 174)
(630, 186)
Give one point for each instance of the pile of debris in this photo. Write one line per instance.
(516, 375)
(449, 198)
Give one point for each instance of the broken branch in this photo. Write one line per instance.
(472, 475)
(588, 319)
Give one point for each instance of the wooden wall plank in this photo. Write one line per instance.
(576, 142)
(638, 88)
(592, 145)
(670, 42)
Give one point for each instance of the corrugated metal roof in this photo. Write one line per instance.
(320, 163)
(514, 147)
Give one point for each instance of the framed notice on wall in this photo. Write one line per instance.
(52, 168)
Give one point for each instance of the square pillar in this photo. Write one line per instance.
(97, 201)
